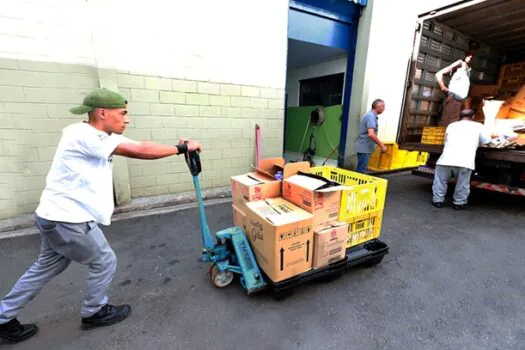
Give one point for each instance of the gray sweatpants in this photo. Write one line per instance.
(62, 243)
(442, 175)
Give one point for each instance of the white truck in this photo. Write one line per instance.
(442, 37)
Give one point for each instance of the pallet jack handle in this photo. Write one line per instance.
(194, 164)
(257, 144)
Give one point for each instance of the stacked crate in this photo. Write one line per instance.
(362, 204)
(511, 79)
(393, 159)
(433, 135)
(375, 160)
(422, 158)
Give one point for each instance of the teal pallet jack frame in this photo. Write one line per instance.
(229, 253)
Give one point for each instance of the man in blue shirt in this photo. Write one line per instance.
(367, 140)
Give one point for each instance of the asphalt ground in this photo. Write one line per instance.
(452, 280)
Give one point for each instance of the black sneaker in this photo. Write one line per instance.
(14, 332)
(460, 206)
(438, 204)
(107, 316)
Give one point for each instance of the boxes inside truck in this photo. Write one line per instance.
(496, 77)
(497, 69)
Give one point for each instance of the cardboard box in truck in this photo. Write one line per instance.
(330, 244)
(281, 236)
(517, 108)
(483, 91)
(261, 183)
(315, 194)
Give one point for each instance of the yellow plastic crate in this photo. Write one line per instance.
(367, 193)
(411, 160)
(364, 228)
(433, 135)
(375, 159)
(422, 158)
(393, 159)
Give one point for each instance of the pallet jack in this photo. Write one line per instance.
(230, 254)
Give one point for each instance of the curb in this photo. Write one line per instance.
(24, 222)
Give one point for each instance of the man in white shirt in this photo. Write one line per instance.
(78, 196)
(462, 140)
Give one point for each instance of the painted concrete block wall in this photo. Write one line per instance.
(384, 48)
(34, 101)
(221, 116)
(187, 72)
(333, 66)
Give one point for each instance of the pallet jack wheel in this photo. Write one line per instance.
(221, 279)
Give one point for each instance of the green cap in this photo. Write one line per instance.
(100, 98)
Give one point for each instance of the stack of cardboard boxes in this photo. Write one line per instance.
(290, 217)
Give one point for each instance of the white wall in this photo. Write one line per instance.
(205, 40)
(333, 66)
(221, 41)
(384, 48)
(221, 62)
(46, 30)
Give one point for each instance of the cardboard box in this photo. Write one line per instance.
(253, 187)
(271, 166)
(262, 183)
(281, 236)
(330, 244)
(483, 90)
(521, 140)
(316, 195)
(517, 108)
(239, 218)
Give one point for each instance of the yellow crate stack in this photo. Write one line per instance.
(433, 135)
(362, 205)
(375, 159)
(411, 159)
(393, 159)
(364, 228)
(422, 158)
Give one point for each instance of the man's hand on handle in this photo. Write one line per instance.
(150, 150)
(192, 145)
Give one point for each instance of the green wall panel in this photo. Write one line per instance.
(326, 136)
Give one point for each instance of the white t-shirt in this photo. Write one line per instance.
(79, 185)
(461, 143)
(460, 83)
